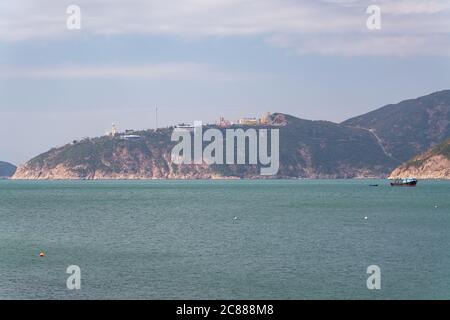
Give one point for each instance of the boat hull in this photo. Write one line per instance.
(406, 184)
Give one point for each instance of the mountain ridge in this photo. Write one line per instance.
(409, 127)
(308, 149)
(370, 145)
(7, 169)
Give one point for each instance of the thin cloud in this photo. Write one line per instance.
(415, 7)
(356, 45)
(162, 71)
(337, 23)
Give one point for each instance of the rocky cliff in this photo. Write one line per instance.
(433, 164)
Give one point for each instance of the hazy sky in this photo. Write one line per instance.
(200, 59)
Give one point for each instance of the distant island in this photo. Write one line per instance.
(7, 170)
(367, 146)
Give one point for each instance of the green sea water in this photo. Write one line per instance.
(292, 239)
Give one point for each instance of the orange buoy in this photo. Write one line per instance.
(41, 254)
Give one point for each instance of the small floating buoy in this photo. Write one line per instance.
(235, 218)
(41, 254)
(365, 218)
(436, 206)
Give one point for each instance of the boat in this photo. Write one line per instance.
(406, 182)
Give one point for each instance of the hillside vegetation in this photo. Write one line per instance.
(371, 145)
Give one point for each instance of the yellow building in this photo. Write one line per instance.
(248, 121)
(265, 119)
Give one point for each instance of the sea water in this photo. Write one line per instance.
(245, 239)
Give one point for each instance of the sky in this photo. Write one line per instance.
(202, 59)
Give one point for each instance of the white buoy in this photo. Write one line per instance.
(436, 206)
(235, 218)
(365, 218)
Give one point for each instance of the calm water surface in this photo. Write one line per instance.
(179, 240)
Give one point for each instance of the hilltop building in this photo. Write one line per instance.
(113, 131)
(249, 121)
(223, 123)
(264, 120)
(132, 137)
(184, 126)
(128, 135)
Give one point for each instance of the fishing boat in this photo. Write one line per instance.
(406, 182)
